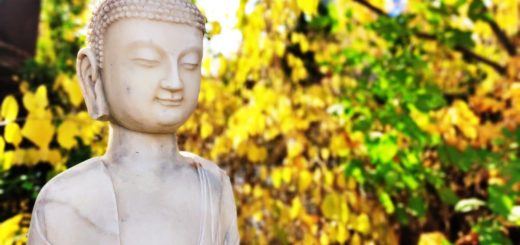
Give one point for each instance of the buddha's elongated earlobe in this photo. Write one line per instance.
(91, 84)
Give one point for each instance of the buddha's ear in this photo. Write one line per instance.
(91, 84)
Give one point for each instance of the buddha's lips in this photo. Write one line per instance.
(175, 101)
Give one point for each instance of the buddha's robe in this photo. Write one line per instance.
(79, 207)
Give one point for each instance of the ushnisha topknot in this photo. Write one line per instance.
(109, 11)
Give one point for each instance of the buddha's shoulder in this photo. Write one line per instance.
(206, 164)
(80, 180)
(78, 202)
(215, 172)
(221, 185)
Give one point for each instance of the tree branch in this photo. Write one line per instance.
(502, 37)
(371, 7)
(472, 55)
(466, 52)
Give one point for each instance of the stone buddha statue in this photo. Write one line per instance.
(141, 72)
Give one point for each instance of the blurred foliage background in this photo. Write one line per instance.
(339, 122)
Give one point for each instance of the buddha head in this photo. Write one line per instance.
(141, 68)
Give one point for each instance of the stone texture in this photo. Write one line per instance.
(143, 190)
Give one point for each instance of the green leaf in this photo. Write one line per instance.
(430, 99)
(401, 214)
(355, 169)
(448, 196)
(499, 201)
(517, 135)
(384, 150)
(410, 181)
(363, 124)
(411, 160)
(477, 11)
(387, 202)
(452, 156)
(417, 205)
(27, 185)
(457, 38)
(490, 232)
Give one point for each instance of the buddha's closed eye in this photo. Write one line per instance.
(190, 61)
(190, 66)
(146, 62)
(146, 56)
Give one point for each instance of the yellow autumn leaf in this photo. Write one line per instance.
(7, 157)
(508, 17)
(88, 127)
(294, 148)
(296, 208)
(246, 189)
(257, 192)
(19, 156)
(286, 175)
(304, 180)
(251, 153)
(67, 132)
(53, 156)
(338, 145)
(344, 212)
(258, 215)
(12, 134)
(356, 239)
(276, 177)
(24, 87)
(324, 239)
(32, 156)
(9, 228)
(2, 145)
(256, 153)
(39, 131)
(216, 28)
(9, 108)
(73, 90)
(432, 238)
(206, 129)
(206, 66)
(328, 177)
(220, 146)
(241, 148)
(464, 118)
(309, 7)
(279, 48)
(362, 224)
(324, 153)
(335, 208)
(222, 66)
(298, 38)
(35, 102)
(421, 119)
(342, 234)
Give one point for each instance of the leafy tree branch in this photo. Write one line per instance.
(465, 51)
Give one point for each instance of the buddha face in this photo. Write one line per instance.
(151, 73)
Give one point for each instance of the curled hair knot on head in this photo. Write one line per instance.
(107, 12)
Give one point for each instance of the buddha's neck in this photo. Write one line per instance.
(142, 152)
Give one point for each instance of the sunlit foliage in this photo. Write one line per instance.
(344, 121)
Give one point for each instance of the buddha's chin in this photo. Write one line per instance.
(168, 125)
(173, 117)
(161, 130)
(161, 123)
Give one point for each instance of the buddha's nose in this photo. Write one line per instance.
(172, 81)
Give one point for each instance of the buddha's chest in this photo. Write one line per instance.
(159, 215)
